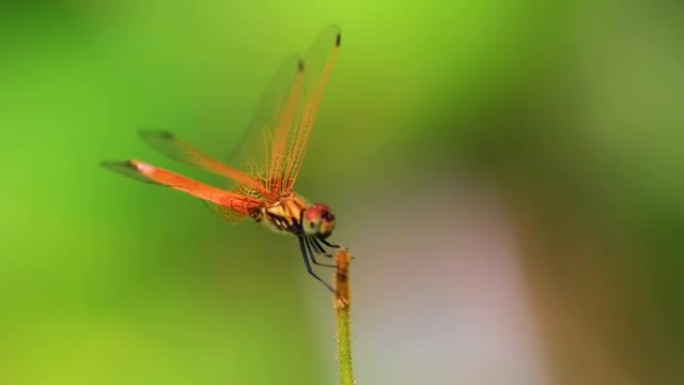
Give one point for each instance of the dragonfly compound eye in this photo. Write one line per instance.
(318, 220)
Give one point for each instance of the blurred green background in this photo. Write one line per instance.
(508, 175)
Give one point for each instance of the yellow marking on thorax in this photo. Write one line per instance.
(285, 213)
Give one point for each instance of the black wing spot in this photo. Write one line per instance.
(166, 134)
(117, 166)
(128, 169)
(149, 135)
(338, 40)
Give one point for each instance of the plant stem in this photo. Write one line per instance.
(342, 317)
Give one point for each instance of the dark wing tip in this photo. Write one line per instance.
(163, 134)
(127, 168)
(117, 165)
(300, 65)
(338, 39)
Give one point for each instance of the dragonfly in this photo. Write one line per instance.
(272, 154)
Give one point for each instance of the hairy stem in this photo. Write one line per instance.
(342, 317)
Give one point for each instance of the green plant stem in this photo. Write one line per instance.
(342, 317)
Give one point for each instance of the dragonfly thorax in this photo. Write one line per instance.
(291, 214)
(283, 215)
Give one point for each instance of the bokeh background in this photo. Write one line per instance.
(508, 175)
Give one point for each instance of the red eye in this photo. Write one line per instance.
(327, 216)
(317, 213)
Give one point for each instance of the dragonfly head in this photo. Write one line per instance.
(318, 221)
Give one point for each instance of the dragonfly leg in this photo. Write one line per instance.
(319, 248)
(305, 255)
(312, 253)
(334, 246)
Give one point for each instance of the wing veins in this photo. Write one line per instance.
(181, 151)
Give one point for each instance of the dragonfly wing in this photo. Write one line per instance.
(182, 151)
(244, 205)
(275, 142)
(124, 168)
(271, 122)
(228, 214)
(170, 145)
(318, 65)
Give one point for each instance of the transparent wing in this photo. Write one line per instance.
(128, 170)
(276, 140)
(181, 151)
(270, 123)
(318, 65)
(228, 214)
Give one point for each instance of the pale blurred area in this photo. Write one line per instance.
(508, 176)
(451, 305)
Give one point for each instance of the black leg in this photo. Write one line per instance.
(312, 253)
(328, 243)
(320, 248)
(303, 249)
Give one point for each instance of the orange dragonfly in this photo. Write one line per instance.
(283, 125)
